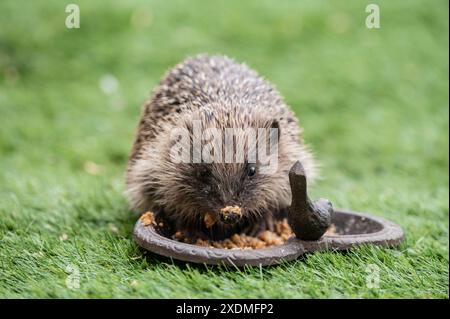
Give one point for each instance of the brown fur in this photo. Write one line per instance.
(220, 93)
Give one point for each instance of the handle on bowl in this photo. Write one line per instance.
(308, 219)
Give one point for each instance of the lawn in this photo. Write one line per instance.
(374, 104)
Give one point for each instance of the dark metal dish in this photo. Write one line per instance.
(352, 230)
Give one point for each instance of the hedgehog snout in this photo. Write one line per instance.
(230, 214)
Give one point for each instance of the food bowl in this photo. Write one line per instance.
(352, 230)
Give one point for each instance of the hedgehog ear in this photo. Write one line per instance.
(276, 125)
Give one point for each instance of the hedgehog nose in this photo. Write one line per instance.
(230, 214)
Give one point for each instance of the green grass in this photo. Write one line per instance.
(374, 105)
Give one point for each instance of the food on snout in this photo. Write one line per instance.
(230, 214)
(231, 210)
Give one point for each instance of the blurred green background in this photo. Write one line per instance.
(373, 102)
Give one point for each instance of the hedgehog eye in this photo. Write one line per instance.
(251, 171)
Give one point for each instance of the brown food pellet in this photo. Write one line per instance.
(282, 232)
(209, 220)
(331, 231)
(178, 236)
(148, 219)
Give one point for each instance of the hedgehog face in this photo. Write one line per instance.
(231, 193)
(230, 190)
(228, 193)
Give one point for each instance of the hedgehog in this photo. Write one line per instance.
(214, 200)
